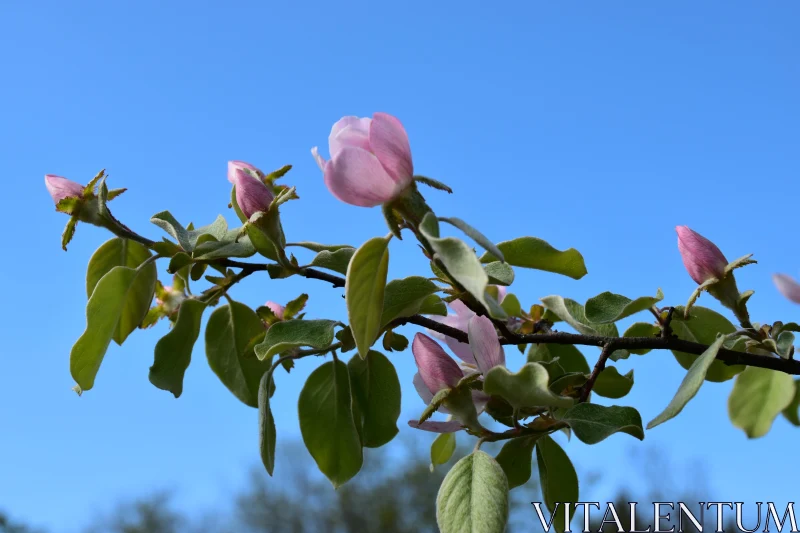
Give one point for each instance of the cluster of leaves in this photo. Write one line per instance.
(345, 407)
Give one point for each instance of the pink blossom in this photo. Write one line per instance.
(485, 345)
(436, 369)
(60, 188)
(251, 193)
(233, 166)
(277, 309)
(787, 286)
(701, 257)
(370, 160)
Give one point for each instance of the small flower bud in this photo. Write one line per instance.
(701, 257)
(60, 188)
(251, 193)
(277, 309)
(437, 369)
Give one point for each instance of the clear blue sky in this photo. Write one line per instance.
(594, 125)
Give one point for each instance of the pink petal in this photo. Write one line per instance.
(462, 311)
(485, 345)
(389, 142)
(356, 177)
(241, 165)
(318, 158)
(787, 286)
(277, 309)
(501, 293)
(701, 257)
(461, 349)
(480, 399)
(422, 389)
(425, 393)
(450, 426)
(251, 194)
(349, 131)
(437, 370)
(60, 188)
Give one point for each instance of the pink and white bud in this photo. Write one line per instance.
(251, 193)
(233, 166)
(701, 257)
(787, 286)
(370, 160)
(277, 309)
(485, 345)
(458, 321)
(60, 188)
(437, 370)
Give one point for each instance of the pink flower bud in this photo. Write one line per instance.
(787, 286)
(485, 345)
(251, 193)
(370, 160)
(701, 257)
(233, 166)
(458, 321)
(277, 309)
(60, 188)
(437, 370)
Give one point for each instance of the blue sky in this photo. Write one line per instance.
(598, 126)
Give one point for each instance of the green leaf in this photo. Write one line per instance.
(642, 329)
(515, 459)
(475, 235)
(131, 254)
(376, 398)
(433, 305)
(573, 314)
(785, 342)
(104, 311)
(511, 305)
(530, 252)
(499, 273)
(178, 261)
(266, 424)
(690, 385)
(461, 263)
(173, 351)
(337, 261)
(473, 497)
(608, 307)
(593, 423)
(559, 359)
(611, 384)
(364, 291)
(327, 424)
(758, 396)
(405, 297)
(283, 336)
(69, 231)
(316, 247)
(526, 388)
(792, 411)
(442, 449)
(227, 247)
(175, 229)
(295, 306)
(702, 326)
(229, 333)
(558, 480)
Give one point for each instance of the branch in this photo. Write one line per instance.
(729, 357)
(608, 349)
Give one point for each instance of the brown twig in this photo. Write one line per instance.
(608, 349)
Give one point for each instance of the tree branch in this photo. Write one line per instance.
(608, 349)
